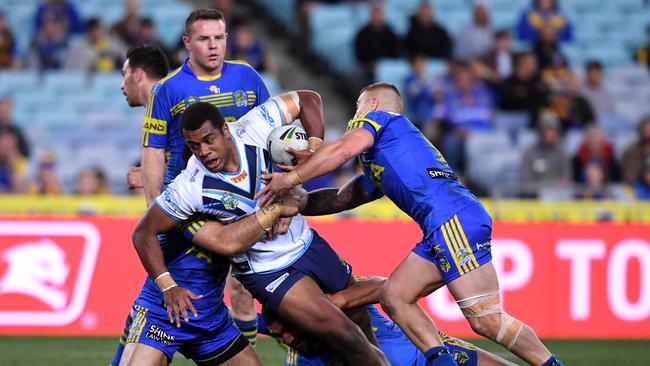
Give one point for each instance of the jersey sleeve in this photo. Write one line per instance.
(367, 186)
(372, 122)
(180, 199)
(261, 120)
(156, 117)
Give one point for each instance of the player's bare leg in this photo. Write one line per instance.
(477, 294)
(136, 354)
(410, 281)
(306, 307)
(484, 358)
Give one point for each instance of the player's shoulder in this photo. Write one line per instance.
(242, 68)
(376, 119)
(168, 80)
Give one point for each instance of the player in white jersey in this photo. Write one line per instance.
(290, 273)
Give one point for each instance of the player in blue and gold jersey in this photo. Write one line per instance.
(400, 163)
(232, 86)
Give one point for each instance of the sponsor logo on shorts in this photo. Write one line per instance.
(156, 334)
(437, 250)
(460, 357)
(484, 246)
(345, 264)
(240, 98)
(274, 285)
(436, 173)
(444, 264)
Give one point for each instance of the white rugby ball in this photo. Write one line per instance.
(292, 136)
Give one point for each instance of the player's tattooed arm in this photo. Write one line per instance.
(328, 201)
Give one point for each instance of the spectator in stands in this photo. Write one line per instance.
(62, 10)
(641, 185)
(426, 36)
(12, 164)
(548, 50)
(467, 106)
(638, 152)
(48, 51)
(46, 181)
(149, 36)
(596, 92)
(523, 91)
(574, 110)
(374, 41)
(642, 54)
(8, 49)
(595, 185)
(544, 13)
(595, 148)
(417, 93)
(95, 51)
(545, 163)
(500, 59)
(245, 46)
(475, 40)
(127, 29)
(6, 124)
(91, 181)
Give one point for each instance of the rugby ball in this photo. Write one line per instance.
(292, 136)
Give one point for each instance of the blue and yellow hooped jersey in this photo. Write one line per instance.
(235, 91)
(403, 165)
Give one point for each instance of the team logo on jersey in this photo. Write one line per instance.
(460, 357)
(240, 97)
(444, 264)
(214, 89)
(190, 100)
(239, 178)
(45, 271)
(462, 256)
(229, 201)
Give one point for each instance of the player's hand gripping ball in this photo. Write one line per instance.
(291, 136)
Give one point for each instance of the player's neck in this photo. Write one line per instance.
(201, 72)
(146, 92)
(233, 164)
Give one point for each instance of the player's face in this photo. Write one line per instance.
(207, 44)
(129, 86)
(290, 337)
(212, 147)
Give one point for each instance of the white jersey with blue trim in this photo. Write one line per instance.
(229, 196)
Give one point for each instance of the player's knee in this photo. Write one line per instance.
(389, 298)
(486, 326)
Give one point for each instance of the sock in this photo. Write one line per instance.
(118, 354)
(553, 361)
(439, 356)
(248, 328)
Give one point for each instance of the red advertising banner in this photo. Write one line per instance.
(79, 276)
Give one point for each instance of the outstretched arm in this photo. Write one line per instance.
(328, 158)
(328, 201)
(364, 291)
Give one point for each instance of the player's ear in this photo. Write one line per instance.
(374, 103)
(226, 131)
(138, 75)
(186, 42)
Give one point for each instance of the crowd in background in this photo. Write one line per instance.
(485, 74)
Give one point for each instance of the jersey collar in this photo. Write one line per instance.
(188, 69)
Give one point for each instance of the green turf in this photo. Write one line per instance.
(89, 351)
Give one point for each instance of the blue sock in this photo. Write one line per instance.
(248, 328)
(553, 361)
(439, 356)
(118, 354)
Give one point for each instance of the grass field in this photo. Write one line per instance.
(90, 351)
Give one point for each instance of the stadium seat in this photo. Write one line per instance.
(272, 83)
(66, 82)
(18, 81)
(392, 70)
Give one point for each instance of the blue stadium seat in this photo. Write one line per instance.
(272, 83)
(18, 81)
(393, 71)
(66, 82)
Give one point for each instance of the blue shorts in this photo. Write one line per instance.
(319, 261)
(196, 340)
(461, 244)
